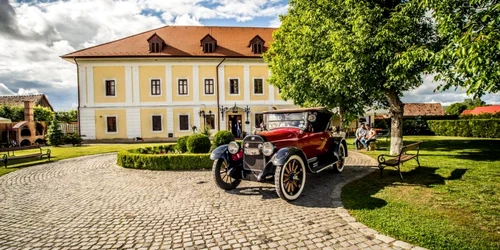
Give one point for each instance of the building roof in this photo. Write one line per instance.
(423, 109)
(18, 100)
(181, 41)
(482, 110)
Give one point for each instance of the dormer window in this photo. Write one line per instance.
(208, 44)
(257, 45)
(155, 44)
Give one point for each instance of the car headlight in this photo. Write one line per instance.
(233, 147)
(267, 148)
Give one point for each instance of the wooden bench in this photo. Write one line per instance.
(407, 153)
(9, 153)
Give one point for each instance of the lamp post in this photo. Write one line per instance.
(247, 110)
(202, 114)
(223, 110)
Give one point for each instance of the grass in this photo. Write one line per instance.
(67, 151)
(451, 202)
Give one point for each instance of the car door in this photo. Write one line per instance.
(312, 143)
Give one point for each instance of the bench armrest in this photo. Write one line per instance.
(381, 158)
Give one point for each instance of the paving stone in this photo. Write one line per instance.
(91, 203)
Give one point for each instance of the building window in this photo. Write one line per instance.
(110, 88)
(156, 122)
(208, 47)
(257, 48)
(234, 87)
(209, 86)
(259, 118)
(183, 86)
(210, 121)
(111, 124)
(258, 86)
(184, 122)
(155, 87)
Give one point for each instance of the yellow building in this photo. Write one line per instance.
(163, 82)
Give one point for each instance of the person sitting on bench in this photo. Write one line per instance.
(371, 136)
(360, 134)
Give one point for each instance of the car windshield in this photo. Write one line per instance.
(296, 120)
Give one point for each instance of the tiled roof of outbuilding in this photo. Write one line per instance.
(423, 109)
(482, 110)
(181, 41)
(18, 100)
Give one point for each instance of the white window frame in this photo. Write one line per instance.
(208, 78)
(150, 87)
(110, 79)
(161, 119)
(263, 83)
(179, 122)
(106, 124)
(187, 84)
(229, 86)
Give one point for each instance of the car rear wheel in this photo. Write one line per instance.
(222, 179)
(338, 167)
(290, 179)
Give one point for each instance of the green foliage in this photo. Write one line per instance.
(73, 139)
(162, 149)
(470, 57)
(458, 108)
(67, 116)
(221, 138)
(54, 135)
(484, 128)
(416, 126)
(482, 116)
(43, 113)
(198, 143)
(181, 144)
(16, 113)
(206, 130)
(129, 159)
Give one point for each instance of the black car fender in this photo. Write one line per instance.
(336, 145)
(280, 157)
(221, 152)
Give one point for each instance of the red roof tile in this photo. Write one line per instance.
(482, 110)
(423, 109)
(182, 41)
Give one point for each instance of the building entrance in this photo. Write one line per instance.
(235, 125)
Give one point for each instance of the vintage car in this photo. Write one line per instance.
(295, 142)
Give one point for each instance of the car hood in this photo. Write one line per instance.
(281, 136)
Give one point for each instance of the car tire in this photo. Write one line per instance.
(290, 179)
(338, 166)
(222, 179)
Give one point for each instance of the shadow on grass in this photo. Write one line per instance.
(360, 194)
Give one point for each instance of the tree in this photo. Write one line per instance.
(16, 113)
(472, 103)
(352, 54)
(459, 107)
(43, 113)
(67, 116)
(54, 135)
(470, 34)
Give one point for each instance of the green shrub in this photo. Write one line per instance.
(495, 115)
(54, 135)
(417, 126)
(485, 128)
(73, 139)
(221, 138)
(131, 159)
(181, 144)
(198, 143)
(207, 130)
(162, 149)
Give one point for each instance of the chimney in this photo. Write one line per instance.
(29, 115)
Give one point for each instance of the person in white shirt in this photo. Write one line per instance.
(370, 136)
(360, 134)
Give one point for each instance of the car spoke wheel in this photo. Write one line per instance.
(338, 167)
(289, 179)
(222, 179)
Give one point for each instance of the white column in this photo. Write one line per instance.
(169, 89)
(90, 86)
(197, 118)
(222, 86)
(271, 90)
(133, 122)
(82, 81)
(87, 123)
(128, 85)
(135, 85)
(196, 84)
(246, 83)
(170, 120)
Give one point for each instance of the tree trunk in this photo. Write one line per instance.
(396, 109)
(341, 117)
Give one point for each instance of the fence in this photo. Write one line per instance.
(69, 128)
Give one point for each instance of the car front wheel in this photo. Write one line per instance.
(290, 179)
(222, 179)
(338, 167)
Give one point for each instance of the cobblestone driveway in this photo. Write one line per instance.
(91, 203)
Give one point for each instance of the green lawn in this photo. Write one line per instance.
(67, 151)
(451, 202)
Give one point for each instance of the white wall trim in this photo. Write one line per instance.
(133, 116)
(197, 118)
(135, 85)
(87, 123)
(192, 104)
(170, 120)
(222, 84)
(82, 81)
(128, 85)
(169, 88)
(196, 84)
(90, 86)
(246, 82)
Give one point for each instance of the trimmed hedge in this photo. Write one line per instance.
(198, 143)
(484, 128)
(130, 159)
(181, 144)
(162, 149)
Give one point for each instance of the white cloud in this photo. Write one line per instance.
(4, 90)
(186, 20)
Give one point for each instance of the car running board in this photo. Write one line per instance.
(316, 168)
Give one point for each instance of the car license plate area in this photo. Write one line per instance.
(252, 151)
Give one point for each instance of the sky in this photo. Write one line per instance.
(34, 34)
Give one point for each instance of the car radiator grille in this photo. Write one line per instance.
(254, 162)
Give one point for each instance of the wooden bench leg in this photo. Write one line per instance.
(381, 170)
(399, 172)
(416, 158)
